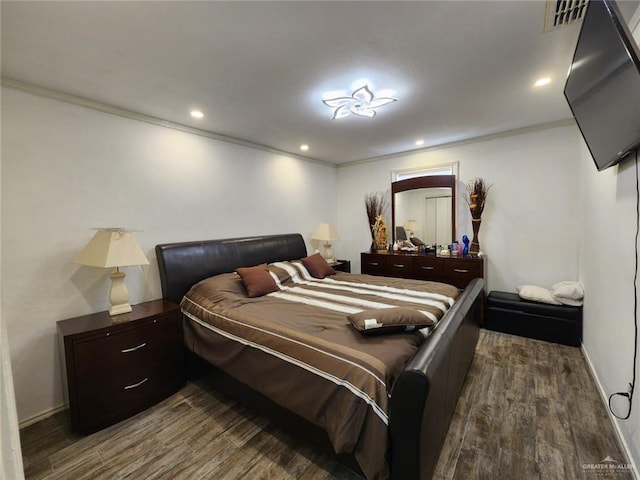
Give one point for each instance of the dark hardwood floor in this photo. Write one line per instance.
(528, 410)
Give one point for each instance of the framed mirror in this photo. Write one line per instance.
(424, 207)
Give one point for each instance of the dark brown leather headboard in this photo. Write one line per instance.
(183, 264)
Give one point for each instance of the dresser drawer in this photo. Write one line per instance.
(399, 266)
(372, 264)
(428, 268)
(459, 272)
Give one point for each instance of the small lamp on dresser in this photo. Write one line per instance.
(411, 227)
(113, 248)
(325, 232)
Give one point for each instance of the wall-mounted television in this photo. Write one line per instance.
(603, 86)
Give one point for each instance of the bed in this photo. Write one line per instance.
(411, 413)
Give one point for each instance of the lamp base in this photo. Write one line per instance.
(118, 295)
(328, 252)
(119, 309)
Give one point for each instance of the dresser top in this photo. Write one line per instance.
(430, 255)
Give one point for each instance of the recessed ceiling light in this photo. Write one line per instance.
(542, 81)
(419, 142)
(304, 147)
(197, 114)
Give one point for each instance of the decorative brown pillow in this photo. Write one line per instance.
(257, 280)
(388, 320)
(317, 266)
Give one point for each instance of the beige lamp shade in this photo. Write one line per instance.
(113, 248)
(411, 226)
(325, 232)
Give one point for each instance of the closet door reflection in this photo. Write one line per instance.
(437, 220)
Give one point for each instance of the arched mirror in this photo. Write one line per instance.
(424, 207)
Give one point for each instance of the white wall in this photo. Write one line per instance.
(530, 217)
(66, 169)
(607, 265)
(10, 451)
(608, 220)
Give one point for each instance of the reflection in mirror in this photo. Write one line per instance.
(424, 213)
(424, 207)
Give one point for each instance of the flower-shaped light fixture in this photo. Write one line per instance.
(362, 102)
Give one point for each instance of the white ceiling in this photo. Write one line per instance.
(258, 70)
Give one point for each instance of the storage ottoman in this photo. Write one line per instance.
(508, 313)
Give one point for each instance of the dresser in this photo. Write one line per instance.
(457, 271)
(118, 366)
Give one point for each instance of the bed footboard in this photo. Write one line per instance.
(425, 395)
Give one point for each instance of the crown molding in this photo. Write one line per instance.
(467, 141)
(141, 117)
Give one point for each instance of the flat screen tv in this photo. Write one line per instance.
(603, 86)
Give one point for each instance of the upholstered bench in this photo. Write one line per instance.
(508, 313)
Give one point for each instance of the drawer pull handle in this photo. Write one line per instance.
(374, 264)
(136, 385)
(398, 265)
(461, 270)
(133, 349)
(428, 268)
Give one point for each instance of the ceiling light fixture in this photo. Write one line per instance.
(542, 82)
(197, 114)
(362, 102)
(419, 142)
(304, 147)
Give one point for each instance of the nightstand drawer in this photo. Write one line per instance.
(342, 266)
(104, 403)
(129, 351)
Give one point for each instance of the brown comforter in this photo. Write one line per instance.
(297, 347)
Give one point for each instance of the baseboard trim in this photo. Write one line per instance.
(605, 399)
(42, 416)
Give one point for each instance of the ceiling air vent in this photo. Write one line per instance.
(563, 12)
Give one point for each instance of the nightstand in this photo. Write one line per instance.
(342, 266)
(118, 366)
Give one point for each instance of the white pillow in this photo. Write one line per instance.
(569, 301)
(537, 294)
(571, 290)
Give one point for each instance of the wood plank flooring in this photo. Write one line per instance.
(528, 410)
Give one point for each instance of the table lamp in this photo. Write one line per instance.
(326, 232)
(411, 227)
(113, 248)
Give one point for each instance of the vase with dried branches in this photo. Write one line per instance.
(375, 203)
(477, 191)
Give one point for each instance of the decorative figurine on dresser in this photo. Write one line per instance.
(433, 197)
